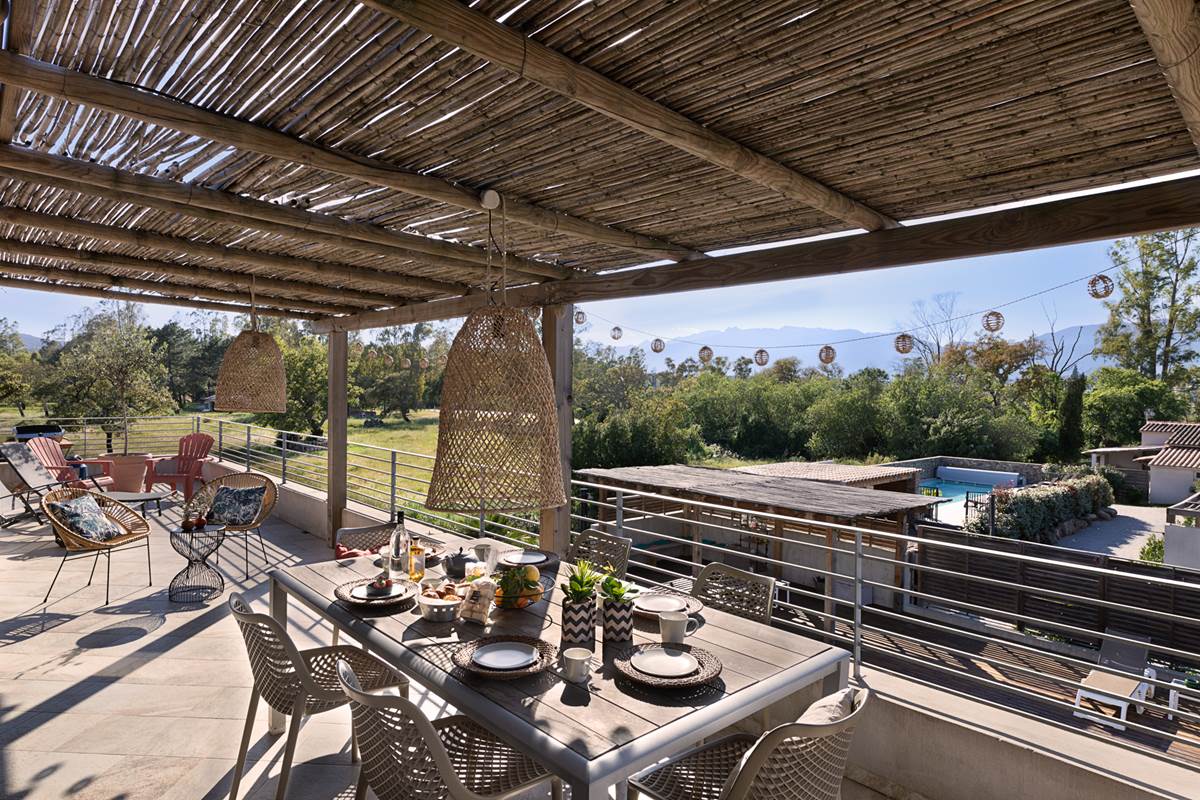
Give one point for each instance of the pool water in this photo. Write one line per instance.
(955, 490)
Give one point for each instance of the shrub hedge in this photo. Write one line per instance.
(1031, 513)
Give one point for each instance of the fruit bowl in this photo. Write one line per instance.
(518, 587)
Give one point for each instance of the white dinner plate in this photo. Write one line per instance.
(664, 662)
(505, 655)
(658, 603)
(521, 558)
(397, 589)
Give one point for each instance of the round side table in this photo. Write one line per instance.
(198, 582)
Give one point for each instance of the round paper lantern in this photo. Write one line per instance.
(993, 321)
(658, 345)
(616, 333)
(372, 355)
(706, 354)
(827, 354)
(387, 360)
(761, 357)
(1100, 286)
(904, 344)
(534, 312)
(406, 363)
(580, 317)
(424, 362)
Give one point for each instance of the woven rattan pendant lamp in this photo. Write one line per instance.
(252, 377)
(498, 425)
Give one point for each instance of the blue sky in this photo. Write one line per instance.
(871, 301)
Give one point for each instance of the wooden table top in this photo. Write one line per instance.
(590, 720)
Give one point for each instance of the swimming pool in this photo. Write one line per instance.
(954, 490)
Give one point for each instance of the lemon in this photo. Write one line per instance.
(532, 575)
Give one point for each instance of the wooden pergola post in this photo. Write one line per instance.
(558, 339)
(335, 452)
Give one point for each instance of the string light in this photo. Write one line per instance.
(1100, 285)
(706, 354)
(761, 357)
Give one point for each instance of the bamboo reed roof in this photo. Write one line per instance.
(911, 108)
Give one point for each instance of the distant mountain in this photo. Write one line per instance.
(851, 355)
(32, 343)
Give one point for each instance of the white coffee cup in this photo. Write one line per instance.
(675, 625)
(577, 663)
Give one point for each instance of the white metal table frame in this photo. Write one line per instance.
(589, 779)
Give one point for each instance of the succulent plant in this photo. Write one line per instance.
(615, 590)
(580, 587)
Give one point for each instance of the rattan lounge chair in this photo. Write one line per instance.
(798, 760)
(736, 591)
(298, 683)
(202, 501)
(135, 533)
(1119, 691)
(603, 550)
(406, 756)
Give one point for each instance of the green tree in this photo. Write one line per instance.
(178, 347)
(305, 360)
(1070, 418)
(15, 386)
(108, 368)
(1119, 401)
(652, 430)
(1154, 322)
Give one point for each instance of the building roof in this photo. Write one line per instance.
(1133, 448)
(786, 495)
(339, 153)
(1167, 426)
(1177, 458)
(848, 474)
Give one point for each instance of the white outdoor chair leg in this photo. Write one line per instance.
(289, 750)
(241, 759)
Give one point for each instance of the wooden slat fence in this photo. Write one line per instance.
(1020, 595)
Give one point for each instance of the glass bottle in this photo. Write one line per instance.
(397, 562)
(416, 561)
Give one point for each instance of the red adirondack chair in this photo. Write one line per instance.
(184, 467)
(50, 453)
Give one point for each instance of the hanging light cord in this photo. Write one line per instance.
(253, 309)
(868, 337)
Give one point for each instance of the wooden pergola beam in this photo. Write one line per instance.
(167, 289)
(229, 257)
(456, 24)
(128, 101)
(192, 274)
(1108, 215)
(231, 209)
(18, 28)
(1173, 30)
(153, 299)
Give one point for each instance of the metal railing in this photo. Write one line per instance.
(861, 587)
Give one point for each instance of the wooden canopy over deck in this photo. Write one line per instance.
(334, 156)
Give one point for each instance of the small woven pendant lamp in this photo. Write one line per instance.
(252, 377)
(498, 425)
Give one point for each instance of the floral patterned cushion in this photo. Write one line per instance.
(83, 517)
(236, 506)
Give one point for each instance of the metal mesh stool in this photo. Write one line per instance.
(297, 683)
(407, 757)
(198, 582)
(797, 761)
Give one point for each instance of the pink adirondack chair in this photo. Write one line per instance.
(182, 469)
(50, 453)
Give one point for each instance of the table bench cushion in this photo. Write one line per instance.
(83, 516)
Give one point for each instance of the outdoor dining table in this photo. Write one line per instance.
(595, 735)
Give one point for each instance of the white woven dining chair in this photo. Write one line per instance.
(603, 550)
(796, 761)
(298, 683)
(736, 591)
(407, 757)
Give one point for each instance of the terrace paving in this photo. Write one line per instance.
(143, 698)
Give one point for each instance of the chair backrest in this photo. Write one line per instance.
(129, 521)
(797, 761)
(1125, 656)
(28, 467)
(370, 537)
(280, 674)
(49, 452)
(403, 757)
(602, 550)
(193, 449)
(736, 591)
(203, 499)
